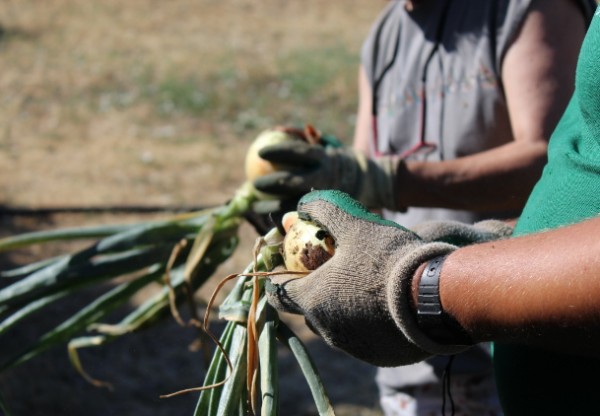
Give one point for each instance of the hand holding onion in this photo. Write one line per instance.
(358, 300)
(255, 166)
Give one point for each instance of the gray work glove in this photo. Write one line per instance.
(319, 167)
(360, 299)
(460, 234)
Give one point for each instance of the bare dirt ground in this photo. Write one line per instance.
(118, 103)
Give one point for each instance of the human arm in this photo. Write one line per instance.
(364, 121)
(538, 77)
(541, 289)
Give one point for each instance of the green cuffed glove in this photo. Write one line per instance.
(317, 167)
(360, 299)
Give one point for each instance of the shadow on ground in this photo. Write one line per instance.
(147, 364)
(143, 366)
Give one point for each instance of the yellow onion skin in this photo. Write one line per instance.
(306, 246)
(255, 166)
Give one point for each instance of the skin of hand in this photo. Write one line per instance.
(541, 289)
(538, 77)
(359, 299)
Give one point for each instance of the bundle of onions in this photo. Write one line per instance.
(181, 252)
(247, 349)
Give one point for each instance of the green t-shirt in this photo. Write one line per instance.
(533, 381)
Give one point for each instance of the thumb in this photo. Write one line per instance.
(283, 291)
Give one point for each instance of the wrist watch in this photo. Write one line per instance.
(431, 317)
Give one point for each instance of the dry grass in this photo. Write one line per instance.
(139, 102)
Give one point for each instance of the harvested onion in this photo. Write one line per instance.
(255, 166)
(306, 246)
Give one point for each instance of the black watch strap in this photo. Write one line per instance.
(435, 323)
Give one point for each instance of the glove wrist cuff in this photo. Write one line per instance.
(400, 302)
(378, 189)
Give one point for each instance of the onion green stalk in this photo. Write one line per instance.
(224, 382)
(125, 258)
(179, 253)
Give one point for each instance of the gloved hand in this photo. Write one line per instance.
(360, 299)
(318, 166)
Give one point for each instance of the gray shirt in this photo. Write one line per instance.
(458, 46)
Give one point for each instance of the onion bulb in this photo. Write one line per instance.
(306, 246)
(255, 166)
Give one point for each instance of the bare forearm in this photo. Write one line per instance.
(499, 179)
(529, 289)
(536, 95)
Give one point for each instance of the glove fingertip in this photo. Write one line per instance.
(285, 149)
(266, 151)
(294, 153)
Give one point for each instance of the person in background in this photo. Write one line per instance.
(457, 101)
(391, 296)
